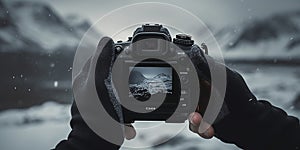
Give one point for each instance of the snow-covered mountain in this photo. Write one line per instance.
(79, 24)
(136, 77)
(162, 76)
(275, 38)
(38, 45)
(34, 26)
(142, 88)
(161, 83)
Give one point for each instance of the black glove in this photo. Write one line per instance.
(248, 123)
(81, 136)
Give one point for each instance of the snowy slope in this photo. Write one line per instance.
(79, 24)
(273, 38)
(47, 112)
(36, 26)
(36, 128)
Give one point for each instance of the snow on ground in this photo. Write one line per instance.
(36, 128)
(42, 127)
(184, 139)
(47, 112)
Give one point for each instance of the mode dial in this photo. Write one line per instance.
(183, 39)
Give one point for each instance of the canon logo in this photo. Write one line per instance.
(150, 108)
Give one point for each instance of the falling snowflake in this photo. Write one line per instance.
(52, 65)
(70, 68)
(55, 84)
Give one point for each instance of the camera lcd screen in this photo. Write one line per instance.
(147, 81)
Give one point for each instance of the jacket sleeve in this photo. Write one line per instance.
(82, 137)
(261, 128)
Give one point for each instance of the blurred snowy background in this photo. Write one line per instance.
(38, 39)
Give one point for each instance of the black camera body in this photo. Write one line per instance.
(143, 75)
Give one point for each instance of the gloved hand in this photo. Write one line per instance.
(81, 136)
(248, 123)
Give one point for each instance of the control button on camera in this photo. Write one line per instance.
(127, 51)
(183, 36)
(181, 99)
(118, 48)
(184, 79)
(183, 39)
(182, 58)
(129, 38)
(183, 92)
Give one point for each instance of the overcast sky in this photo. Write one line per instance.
(212, 12)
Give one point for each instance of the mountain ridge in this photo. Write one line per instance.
(35, 26)
(276, 37)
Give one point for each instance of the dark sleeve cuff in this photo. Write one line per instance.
(82, 137)
(261, 128)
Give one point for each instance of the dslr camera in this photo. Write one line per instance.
(153, 80)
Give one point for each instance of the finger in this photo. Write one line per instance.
(130, 132)
(197, 125)
(195, 120)
(205, 90)
(206, 130)
(206, 83)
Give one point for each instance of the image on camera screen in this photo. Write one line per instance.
(147, 81)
